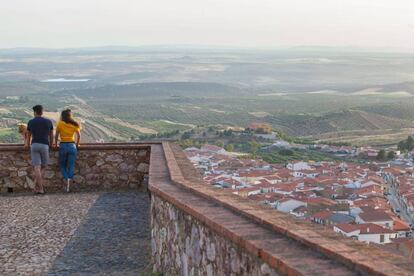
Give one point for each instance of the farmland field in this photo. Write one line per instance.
(361, 98)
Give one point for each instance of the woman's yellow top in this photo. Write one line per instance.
(67, 131)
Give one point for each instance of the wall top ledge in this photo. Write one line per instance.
(92, 146)
(358, 257)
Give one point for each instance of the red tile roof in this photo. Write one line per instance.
(366, 228)
(400, 225)
(347, 228)
(374, 216)
(320, 200)
(371, 228)
(322, 215)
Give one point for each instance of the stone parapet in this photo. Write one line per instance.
(98, 167)
(191, 222)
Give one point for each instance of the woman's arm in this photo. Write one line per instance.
(56, 138)
(77, 137)
(51, 138)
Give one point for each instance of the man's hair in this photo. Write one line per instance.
(38, 109)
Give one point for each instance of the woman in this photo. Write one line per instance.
(69, 132)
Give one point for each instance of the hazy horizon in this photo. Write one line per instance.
(159, 47)
(242, 24)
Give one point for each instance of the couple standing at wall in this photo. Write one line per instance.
(39, 137)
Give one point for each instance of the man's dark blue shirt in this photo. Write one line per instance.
(40, 128)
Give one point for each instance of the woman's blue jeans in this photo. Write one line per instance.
(67, 159)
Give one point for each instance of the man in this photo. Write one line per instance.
(40, 135)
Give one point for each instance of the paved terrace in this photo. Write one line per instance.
(62, 234)
(194, 228)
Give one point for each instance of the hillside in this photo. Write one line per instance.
(131, 93)
(160, 90)
(305, 125)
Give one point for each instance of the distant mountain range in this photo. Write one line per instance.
(178, 47)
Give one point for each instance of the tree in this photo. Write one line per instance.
(381, 155)
(286, 152)
(391, 155)
(228, 133)
(409, 143)
(401, 146)
(187, 143)
(230, 147)
(186, 135)
(219, 144)
(254, 148)
(406, 145)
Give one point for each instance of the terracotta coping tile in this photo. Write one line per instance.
(91, 146)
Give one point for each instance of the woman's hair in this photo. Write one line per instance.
(66, 116)
(22, 128)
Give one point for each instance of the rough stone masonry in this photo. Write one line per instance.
(181, 245)
(102, 168)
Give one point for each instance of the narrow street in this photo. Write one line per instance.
(395, 203)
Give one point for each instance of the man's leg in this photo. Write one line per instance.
(44, 154)
(36, 163)
(38, 178)
(42, 173)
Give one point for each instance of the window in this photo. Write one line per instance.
(381, 238)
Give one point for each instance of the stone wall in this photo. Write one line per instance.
(199, 230)
(100, 167)
(182, 245)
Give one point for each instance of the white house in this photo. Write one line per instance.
(309, 173)
(288, 204)
(273, 179)
(281, 144)
(369, 183)
(248, 191)
(213, 149)
(402, 228)
(368, 232)
(297, 166)
(377, 217)
(297, 174)
(346, 229)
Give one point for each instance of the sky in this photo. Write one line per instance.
(379, 24)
